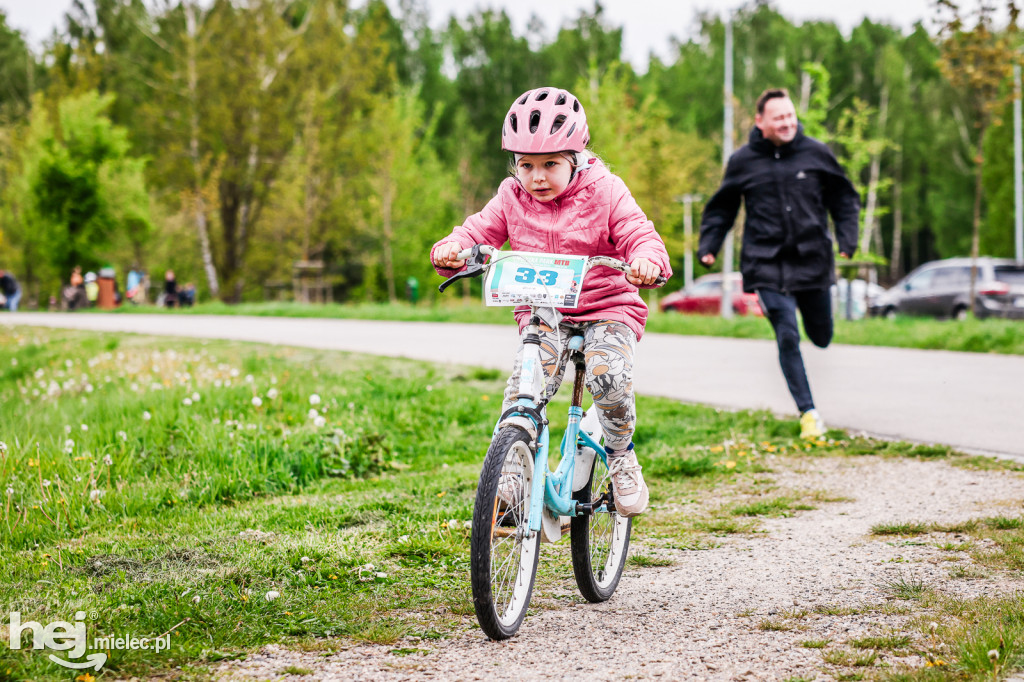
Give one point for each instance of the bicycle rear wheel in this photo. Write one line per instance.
(600, 542)
(503, 553)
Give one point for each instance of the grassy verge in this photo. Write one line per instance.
(980, 336)
(237, 495)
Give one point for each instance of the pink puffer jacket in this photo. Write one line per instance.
(595, 216)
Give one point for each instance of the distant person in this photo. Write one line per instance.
(187, 295)
(92, 288)
(412, 289)
(170, 289)
(790, 184)
(73, 296)
(11, 290)
(135, 285)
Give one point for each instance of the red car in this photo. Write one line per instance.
(704, 296)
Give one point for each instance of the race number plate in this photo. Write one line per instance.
(524, 278)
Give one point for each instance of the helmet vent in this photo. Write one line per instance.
(576, 105)
(560, 99)
(541, 96)
(571, 131)
(534, 120)
(513, 123)
(559, 121)
(524, 98)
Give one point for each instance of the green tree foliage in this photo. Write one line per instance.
(79, 188)
(289, 130)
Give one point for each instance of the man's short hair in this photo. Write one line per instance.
(770, 93)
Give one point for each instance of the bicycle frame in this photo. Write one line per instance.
(552, 489)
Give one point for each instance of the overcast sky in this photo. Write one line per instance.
(648, 24)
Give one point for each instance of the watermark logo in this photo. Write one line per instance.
(72, 638)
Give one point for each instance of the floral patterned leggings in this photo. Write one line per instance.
(608, 347)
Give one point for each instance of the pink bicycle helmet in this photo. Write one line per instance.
(545, 121)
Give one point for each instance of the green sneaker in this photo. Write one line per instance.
(811, 425)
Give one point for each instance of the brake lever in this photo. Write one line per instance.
(474, 267)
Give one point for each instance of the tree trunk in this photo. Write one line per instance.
(387, 202)
(897, 220)
(876, 161)
(976, 226)
(198, 205)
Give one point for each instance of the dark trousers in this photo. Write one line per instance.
(780, 309)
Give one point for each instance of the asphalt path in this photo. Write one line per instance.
(972, 401)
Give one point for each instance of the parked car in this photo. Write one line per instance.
(855, 307)
(942, 289)
(704, 296)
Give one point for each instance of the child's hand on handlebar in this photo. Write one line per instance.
(445, 255)
(642, 271)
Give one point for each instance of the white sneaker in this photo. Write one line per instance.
(631, 494)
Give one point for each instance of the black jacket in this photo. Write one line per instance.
(8, 285)
(789, 191)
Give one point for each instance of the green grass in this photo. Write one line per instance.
(903, 586)
(901, 528)
(187, 520)
(981, 336)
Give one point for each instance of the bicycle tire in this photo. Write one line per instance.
(503, 559)
(600, 542)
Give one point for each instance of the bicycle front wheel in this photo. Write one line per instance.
(600, 541)
(503, 552)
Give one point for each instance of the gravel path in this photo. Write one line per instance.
(707, 616)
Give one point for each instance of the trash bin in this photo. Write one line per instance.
(107, 298)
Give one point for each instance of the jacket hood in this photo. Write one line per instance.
(759, 143)
(595, 171)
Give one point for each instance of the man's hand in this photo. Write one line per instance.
(845, 255)
(445, 255)
(708, 259)
(643, 271)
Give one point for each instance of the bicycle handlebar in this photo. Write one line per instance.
(476, 266)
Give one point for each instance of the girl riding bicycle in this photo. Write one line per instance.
(562, 199)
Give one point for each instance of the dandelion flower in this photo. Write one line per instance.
(95, 495)
(108, 460)
(46, 483)
(730, 464)
(381, 575)
(993, 654)
(319, 422)
(186, 402)
(195, 397)
(304, 559)
(314, 399)
(256, 401)
(3, 449)
(249, 378)
(123, 436)
(67, 428)
(312, 414)
(146, 415)
(272, 393)
(196, 599)
(272, 595)
(10, 491)
(69, 445)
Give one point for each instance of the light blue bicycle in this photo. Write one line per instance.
(520, 501)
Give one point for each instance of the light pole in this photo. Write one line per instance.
(688, 200)
(1018, 184)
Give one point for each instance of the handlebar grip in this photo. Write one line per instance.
(661, 280)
